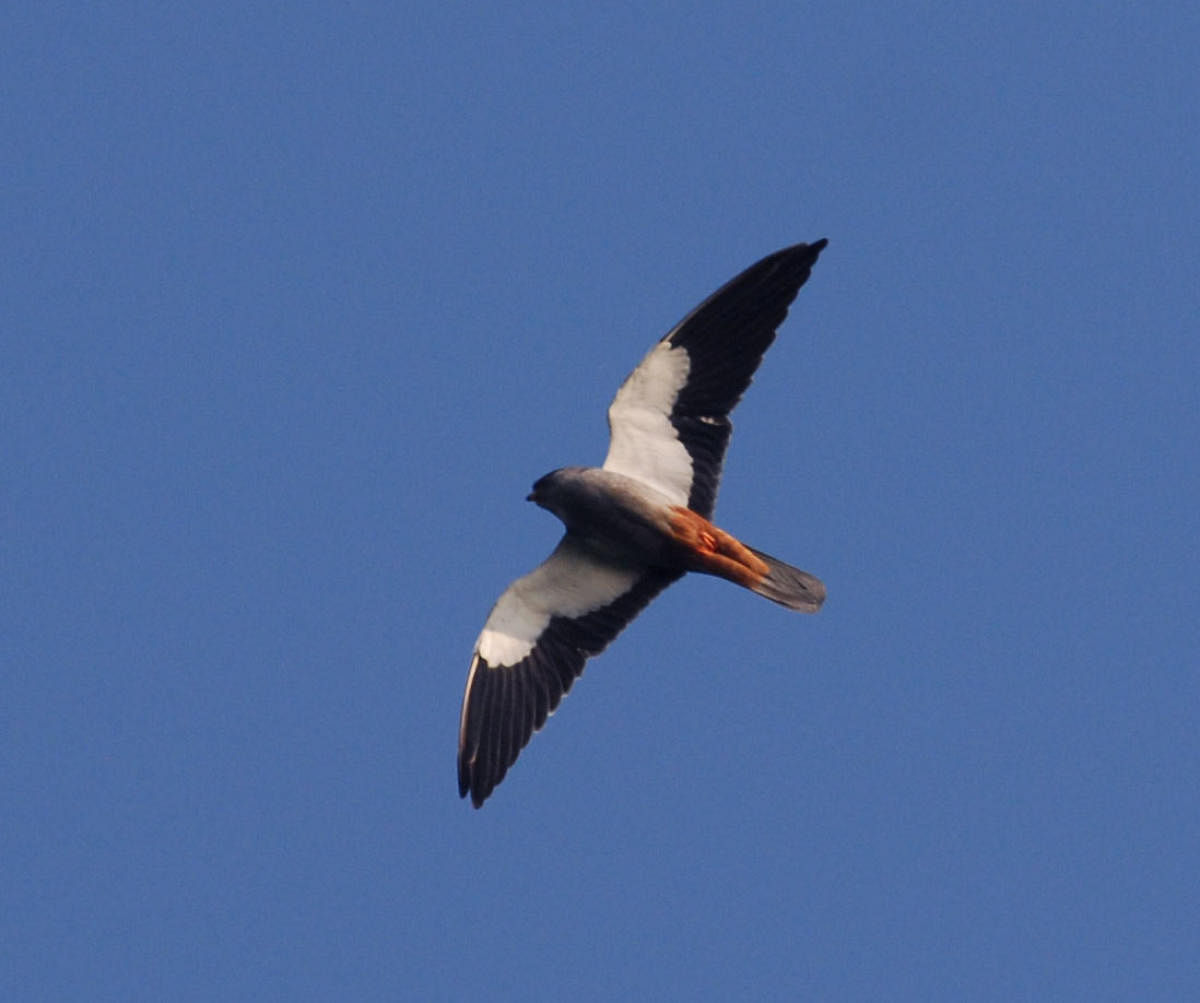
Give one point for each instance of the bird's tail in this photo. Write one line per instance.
(786, 585)
(710, 550)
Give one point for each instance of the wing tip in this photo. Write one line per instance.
(804, 254)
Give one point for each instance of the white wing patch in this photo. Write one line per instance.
(568, 583)
(644, 444)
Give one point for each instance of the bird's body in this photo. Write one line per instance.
(635, 525)
(621, 521)
(615, 517)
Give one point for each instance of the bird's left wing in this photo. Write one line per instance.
(670, 420)
(533, 647)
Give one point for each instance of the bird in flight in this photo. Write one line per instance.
(634, 525)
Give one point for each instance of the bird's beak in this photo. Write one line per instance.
(529, 497)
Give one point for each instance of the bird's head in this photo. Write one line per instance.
(543, 488)
(559, 490)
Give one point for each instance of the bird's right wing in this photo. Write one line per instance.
(533, 647)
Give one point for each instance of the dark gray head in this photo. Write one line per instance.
(563, 491)
(540, 487)
(546, 488)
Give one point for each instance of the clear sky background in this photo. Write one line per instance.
(299, 299)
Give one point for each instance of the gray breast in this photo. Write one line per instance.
(616, 516)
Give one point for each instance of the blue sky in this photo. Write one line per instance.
(300, 299)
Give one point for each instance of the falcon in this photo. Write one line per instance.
(634, 525)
